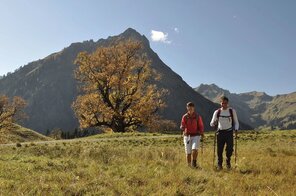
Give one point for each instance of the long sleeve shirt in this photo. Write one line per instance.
(225, 120)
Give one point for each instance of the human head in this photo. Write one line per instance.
(224, 102)
(190, 107)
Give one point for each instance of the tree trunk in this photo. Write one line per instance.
(118, 125)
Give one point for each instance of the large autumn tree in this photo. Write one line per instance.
(118, 88)
(11, 110)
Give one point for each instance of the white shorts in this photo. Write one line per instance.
(191, 143)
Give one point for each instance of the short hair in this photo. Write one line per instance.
(190, 104)
(224, 98)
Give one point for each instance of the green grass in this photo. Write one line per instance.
(147, 166)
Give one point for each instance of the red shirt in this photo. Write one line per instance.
(192, 125)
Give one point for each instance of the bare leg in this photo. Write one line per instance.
(194, 155)
(188, 157)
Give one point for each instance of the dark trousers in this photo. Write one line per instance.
(222, 139)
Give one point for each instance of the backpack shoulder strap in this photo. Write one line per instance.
(231, 112)
(218, 113)
(231, 115)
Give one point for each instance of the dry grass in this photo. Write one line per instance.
(17, 133)
(141, 166)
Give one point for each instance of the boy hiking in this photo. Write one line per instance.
(192, 129)
(226, 121)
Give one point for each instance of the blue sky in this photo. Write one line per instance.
(239, 45)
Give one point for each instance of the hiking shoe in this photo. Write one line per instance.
(228, 166)
(219, 167)
(194, 164)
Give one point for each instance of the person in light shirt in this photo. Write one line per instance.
(226, 121)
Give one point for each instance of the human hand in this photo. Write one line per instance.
(235, 134)
(202, 137)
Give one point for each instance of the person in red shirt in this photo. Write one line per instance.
(192, 129)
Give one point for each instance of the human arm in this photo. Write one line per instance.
(236, 122)
(214, 119)
(183, 125)
(201, 126)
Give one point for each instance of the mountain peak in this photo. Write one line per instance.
(131, 31)
(256, 93)
(211, 87)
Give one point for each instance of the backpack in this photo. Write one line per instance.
(231, 116)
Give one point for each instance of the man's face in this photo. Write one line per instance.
(190, 109)
(224, 104)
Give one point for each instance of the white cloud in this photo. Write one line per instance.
(176, 30)
(159, 36)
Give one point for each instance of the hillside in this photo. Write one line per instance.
(257, 108)
(281, 112)
(49, 87)
(18, 134)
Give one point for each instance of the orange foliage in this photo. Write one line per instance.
(118, 89)
(11, 111)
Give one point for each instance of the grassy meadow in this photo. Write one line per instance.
(135, 164)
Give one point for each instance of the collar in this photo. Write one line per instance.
(191, 116)
(224, 110)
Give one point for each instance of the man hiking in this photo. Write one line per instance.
(192, 129)
(226, 121)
